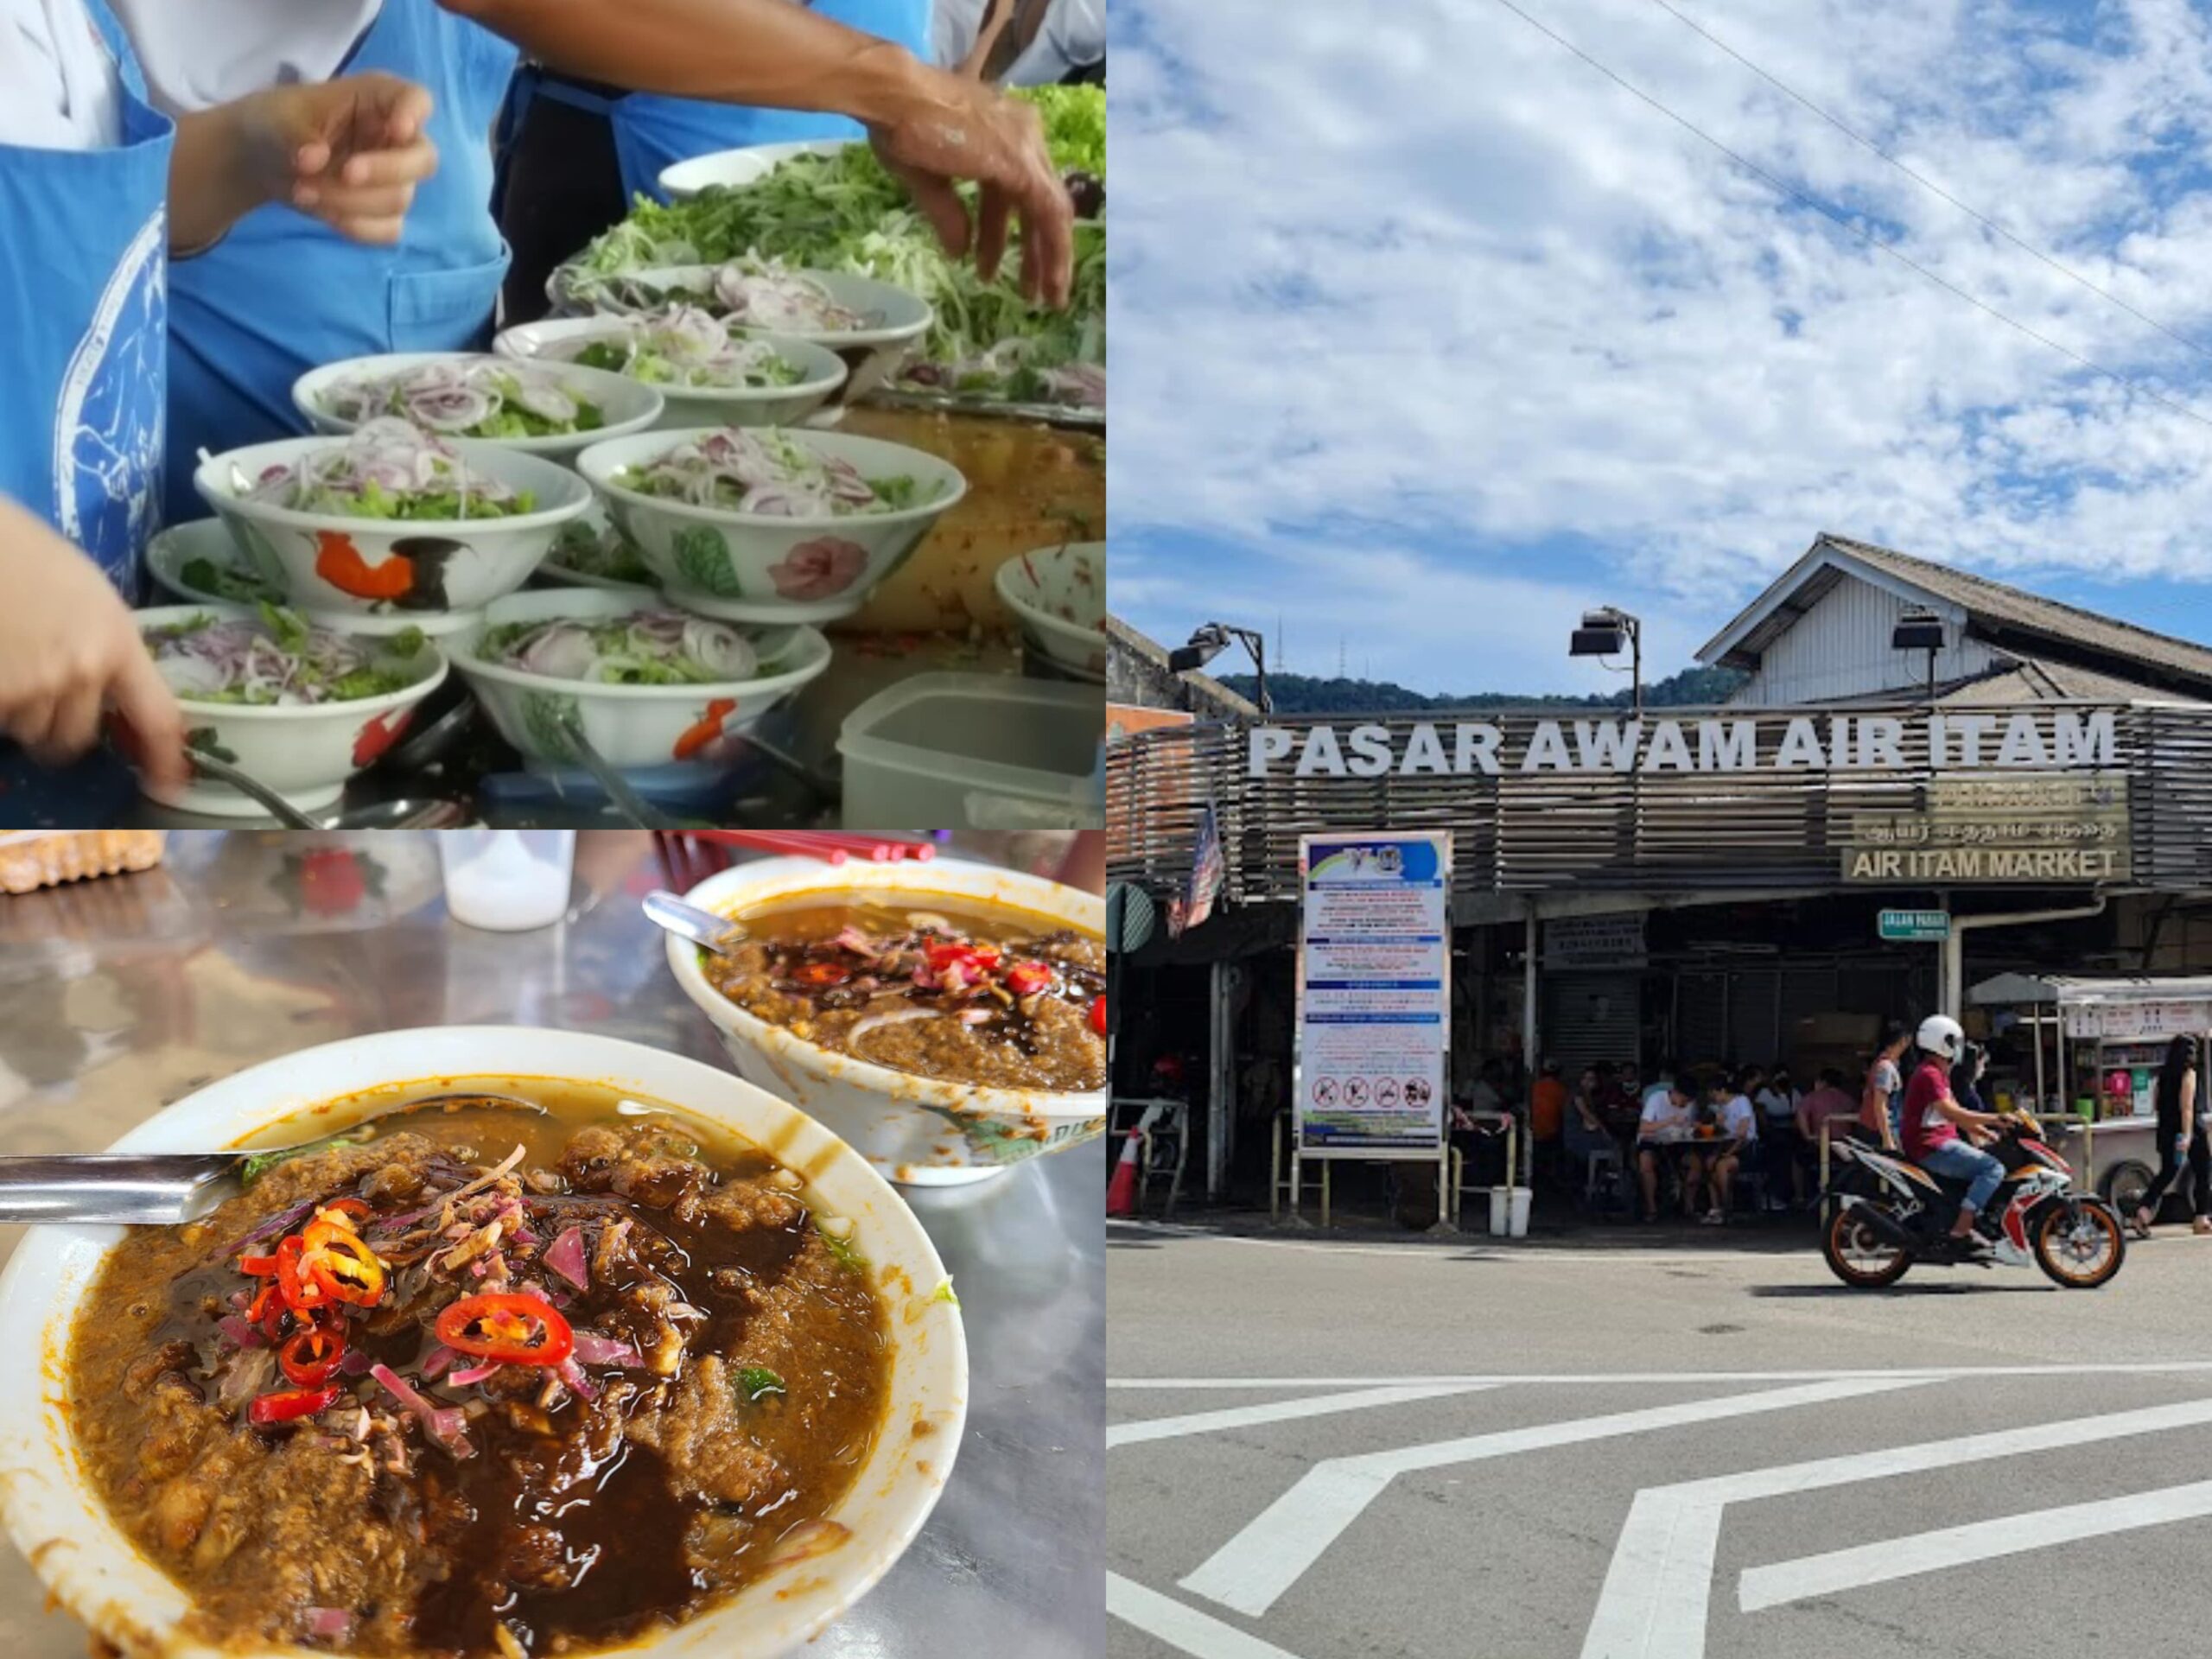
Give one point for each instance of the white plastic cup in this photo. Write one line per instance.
(507, 880)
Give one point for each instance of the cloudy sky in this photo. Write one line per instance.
(1427, 334)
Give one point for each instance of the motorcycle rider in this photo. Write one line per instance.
(1945, 1138)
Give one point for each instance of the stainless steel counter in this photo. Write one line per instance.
(121, 994)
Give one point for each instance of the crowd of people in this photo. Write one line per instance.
(1702, 1139)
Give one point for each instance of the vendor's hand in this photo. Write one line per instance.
(348, 152)
(959, 129)
(69, 646)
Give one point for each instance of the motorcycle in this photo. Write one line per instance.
(1884, 1214)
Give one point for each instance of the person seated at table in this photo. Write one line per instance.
(1827, 1112)
(1618, 1103)
(1736, 1123)
(1664, 1124)
(1546, 1114)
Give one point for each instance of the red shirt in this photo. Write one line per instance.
(1924, 1126)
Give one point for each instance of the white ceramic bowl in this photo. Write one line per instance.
(873, 355)
(746, 165)
(460, 564)
(90, 1567)
(173, 552)
(632, 727)
(625, 405)
(305, 754)
(822, 372)
(919, 1131)
(759, 566)
(1058, 594)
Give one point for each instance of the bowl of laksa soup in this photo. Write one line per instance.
(947, 1019)
(601, 1349)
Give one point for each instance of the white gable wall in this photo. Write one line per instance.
(1841, 648)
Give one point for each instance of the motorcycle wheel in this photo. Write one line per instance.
(1855, 1256)
(2079, 1246)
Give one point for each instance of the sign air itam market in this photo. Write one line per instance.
(2018, 740)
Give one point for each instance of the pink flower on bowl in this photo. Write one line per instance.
(820, 568)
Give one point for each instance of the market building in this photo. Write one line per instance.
(2030, 779)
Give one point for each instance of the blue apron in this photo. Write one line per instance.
(83, 292)
(652, 132)
(283, 293)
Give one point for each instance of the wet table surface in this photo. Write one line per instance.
(119, 995)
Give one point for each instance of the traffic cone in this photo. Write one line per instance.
(1121, 1191)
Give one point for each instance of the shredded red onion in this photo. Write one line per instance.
(447, 1426)
(240, 1334)
(329, 1623)
(271, 1227)
(436, 1362)
(474, 1374)
(592, 1348)
(566, 1257)
(573, 1374)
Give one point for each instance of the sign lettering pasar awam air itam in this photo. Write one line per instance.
(1374, 994)
(2055, 738)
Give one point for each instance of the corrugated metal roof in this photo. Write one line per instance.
(2131, 657)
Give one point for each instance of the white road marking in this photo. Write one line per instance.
(1280, 1411)
(1200, 1635)
(1762, 1587)
(1656, 1591)
(1273, 1550)
(1506, 1379)
(1473, 1247)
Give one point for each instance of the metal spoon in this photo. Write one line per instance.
(624, 799)
(246, 784)
(702, 927)
(155, 1188)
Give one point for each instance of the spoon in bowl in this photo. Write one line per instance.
(156, 1189)
(702, 927)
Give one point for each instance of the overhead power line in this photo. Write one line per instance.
(1844, 222)
(1931, 186)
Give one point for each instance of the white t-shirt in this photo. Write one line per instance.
(1778, 1103)
(1660, 1111)
(60, 88)
(197, 54)
(1071, 37)
(1738, 1119)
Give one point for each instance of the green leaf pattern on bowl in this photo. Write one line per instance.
(546, 716)
(259, 552)
(703, 557)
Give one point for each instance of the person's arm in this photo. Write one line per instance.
(931, 128)
(69, 648)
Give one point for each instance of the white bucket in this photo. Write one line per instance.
(1522, 1198)
(1509, 1211)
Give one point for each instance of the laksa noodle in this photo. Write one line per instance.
(483, 1382)
(941, 988)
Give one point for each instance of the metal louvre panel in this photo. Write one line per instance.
(1590, 1016)
(1516, 831)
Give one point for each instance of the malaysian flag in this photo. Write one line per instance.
(1207, 872)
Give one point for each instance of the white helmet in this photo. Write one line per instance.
(1941, 1035)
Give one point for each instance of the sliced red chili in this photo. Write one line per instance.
(1025, 978)
(339, 1261)
(1098, 1015)
(357, 1208)
(979, 957)
(310, 1357)
(259, 1267)
(286, 1404)
(301, 1281)
(820, 974)
(507, 1328)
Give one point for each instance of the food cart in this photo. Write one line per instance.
(2094, 1048)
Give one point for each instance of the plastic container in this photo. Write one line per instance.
(974, 751)
(1509, 1211)
(507, 880)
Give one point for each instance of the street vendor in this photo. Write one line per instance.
(274, 298)
(576, 153)
(98, 188)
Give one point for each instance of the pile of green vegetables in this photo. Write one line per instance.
(843, 212)
(276, 659)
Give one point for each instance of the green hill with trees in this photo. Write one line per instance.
(1305, 694)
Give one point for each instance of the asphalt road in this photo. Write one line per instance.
(1326, 1450)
